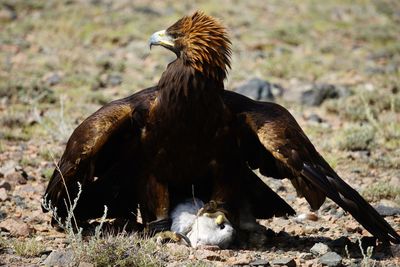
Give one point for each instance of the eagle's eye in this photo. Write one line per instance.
(221, 226)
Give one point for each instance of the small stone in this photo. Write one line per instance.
(315, 118)
(52, 78)
(260, 263)
(306, 256)
(387, 210)
(8, 168)
(3, 194)
(15, 228)
(339, 214)
(59, 258)
(320, 92)
(114, 79)
(24, 175)
(260, 90)
(331, 259)
(289, 262)
(3, 215)
(108, 80)
(6, 185)
(19, 201)
(307, 216)
(319, 249)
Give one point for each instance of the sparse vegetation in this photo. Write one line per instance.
(382, 190)
(3, 243)
(356, 137)
(108, 248)
(28, 247)
(120, 250)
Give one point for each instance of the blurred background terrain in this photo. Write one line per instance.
(334, 64)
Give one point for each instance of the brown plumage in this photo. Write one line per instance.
(156, 147)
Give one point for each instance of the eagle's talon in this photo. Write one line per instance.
(158, 226)
(170, 236)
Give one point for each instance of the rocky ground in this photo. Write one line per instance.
(334, 64)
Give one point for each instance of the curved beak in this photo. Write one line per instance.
(163, 39)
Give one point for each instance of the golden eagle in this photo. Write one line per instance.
(189, 136)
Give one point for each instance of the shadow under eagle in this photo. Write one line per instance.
(188, 136)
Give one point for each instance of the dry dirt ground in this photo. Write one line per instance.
(62, 60)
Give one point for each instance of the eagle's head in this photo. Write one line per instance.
(200, 41)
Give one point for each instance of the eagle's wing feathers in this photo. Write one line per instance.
(272, 141)
(97, 151)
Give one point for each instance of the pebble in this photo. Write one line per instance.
(260, 263)
(6, 185)
(331, 259)
(3, 194)
(315, 118)
(108, 80)
(320, 92)
(339, 214)
(387, 210)
(319, 249)
(306, 256)
(16, 228)
(114, 79)
(59, 258)
(8, 168)
(307, 216)
(289, 262)
(260, 90)
(52, 78)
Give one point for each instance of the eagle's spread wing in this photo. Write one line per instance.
(257, 193)
(100, 155)
(272, 141)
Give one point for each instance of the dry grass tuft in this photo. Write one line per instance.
(356, 137)
(28, 248)
(381, 190)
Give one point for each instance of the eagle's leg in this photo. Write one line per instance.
(155, 206)
(225, 188)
